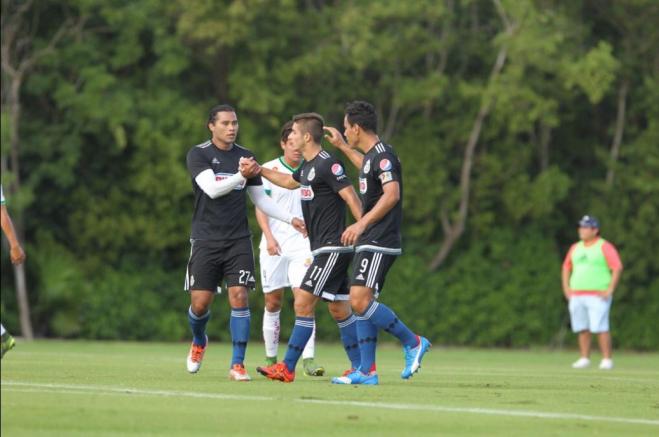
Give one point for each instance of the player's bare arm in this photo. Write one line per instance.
(351, 199)
(390, 197)
(273, 247)
(16, 254)
(282, 179)
(336, 139)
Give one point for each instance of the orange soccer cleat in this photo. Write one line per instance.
(195, 356)
(277, 372)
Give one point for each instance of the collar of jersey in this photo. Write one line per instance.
(288, 166)
(223, 150)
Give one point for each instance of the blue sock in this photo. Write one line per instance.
(367, 333)
(239, 326)
(348, 330)
(198, 326)
(382, 317)
(299, 338)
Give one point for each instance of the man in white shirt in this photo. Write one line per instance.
(285, 255)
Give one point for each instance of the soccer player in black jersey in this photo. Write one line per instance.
(325, 191)
(377, 240)
(221, 245)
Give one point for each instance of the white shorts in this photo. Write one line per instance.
(284, 270)
(589, 313)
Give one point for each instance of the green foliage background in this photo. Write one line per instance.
(109, 116)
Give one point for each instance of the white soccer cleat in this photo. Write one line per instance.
(196, 356)
(581, 363)
(238, 373)
(606, 364)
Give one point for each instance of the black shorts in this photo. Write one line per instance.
(327, 276)
(212, 262)
(369, 269)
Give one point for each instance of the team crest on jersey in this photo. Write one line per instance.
(367, 166)
(312, 174)
(337, 169)
(307, 262)
(223, 176)
(306, 192)
(385, 165)
(362, 185)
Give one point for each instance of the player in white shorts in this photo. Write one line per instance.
(284, 256)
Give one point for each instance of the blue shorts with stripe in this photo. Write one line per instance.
(327, 276)
(370, 268)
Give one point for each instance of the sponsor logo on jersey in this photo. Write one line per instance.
(367, 166)
(223, 176)
(312, 174)
(362, 185)
(215, 161)
(309, 283)
(385, 165)
(337, 169)
(386, 177)
(360, 277)
(306, 192)
(307, 262)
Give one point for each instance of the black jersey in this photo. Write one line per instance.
(381, 166)
(223, 218)
(323, 209)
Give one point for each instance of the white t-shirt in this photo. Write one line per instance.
(289, 239)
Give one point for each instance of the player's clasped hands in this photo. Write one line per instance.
(249, 168)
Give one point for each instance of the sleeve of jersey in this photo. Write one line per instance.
(385, 168)
(197, 162)
(567, 262)
(335, 175)
(612, 256)
(267, 205)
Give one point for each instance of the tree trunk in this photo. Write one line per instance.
(619, 130)
(453, 231)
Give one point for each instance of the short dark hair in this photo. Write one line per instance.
(363, 114)
(311, 123)
(286, 130)
(212, 114)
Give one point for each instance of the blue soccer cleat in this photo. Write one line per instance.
(357, 377)
(413, 357)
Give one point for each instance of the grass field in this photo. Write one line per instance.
(96, 388)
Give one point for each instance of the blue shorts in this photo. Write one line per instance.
(590, 313)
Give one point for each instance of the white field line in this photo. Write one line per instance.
(105, 390)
